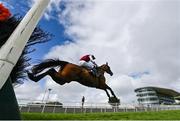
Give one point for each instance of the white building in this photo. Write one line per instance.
(154, 96)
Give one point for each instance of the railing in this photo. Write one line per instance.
(92, 107)
(146, 92)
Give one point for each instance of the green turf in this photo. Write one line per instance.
(161, 115)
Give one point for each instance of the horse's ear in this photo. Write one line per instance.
(106, 63)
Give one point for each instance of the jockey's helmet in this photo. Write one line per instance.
(93, 57)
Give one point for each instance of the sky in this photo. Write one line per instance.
(138, 38)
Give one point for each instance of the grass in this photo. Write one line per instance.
(161, 115)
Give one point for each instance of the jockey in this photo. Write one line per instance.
(88, 62)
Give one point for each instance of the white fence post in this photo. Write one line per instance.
(54, 108)
(43, 108)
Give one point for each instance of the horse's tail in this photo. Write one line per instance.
(47, 64)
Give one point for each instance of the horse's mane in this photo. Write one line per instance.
(48, 63)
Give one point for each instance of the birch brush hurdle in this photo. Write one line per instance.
(12, 49)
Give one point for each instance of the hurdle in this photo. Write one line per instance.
(9, 55)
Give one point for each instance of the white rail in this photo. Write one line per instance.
(91, 107)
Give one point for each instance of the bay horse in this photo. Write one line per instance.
(70, 72)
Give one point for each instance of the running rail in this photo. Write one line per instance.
(12, 49)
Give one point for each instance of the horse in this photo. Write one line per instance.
(71, 72)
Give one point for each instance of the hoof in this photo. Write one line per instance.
(114, 101)
(52, 70)
(31, 76)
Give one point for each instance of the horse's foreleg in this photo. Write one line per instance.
(107, 92)
(111, 91)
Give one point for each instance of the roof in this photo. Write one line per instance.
(165, 91)
(177, 98)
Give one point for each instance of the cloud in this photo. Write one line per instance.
(133, 36)
(26, 91)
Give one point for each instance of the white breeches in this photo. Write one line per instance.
(89, 64)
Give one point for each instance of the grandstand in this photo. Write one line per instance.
(148, 96)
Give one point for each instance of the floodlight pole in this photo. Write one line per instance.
(9, 55)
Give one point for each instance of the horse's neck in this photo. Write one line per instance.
(100, 70)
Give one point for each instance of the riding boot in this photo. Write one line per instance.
(94, 72)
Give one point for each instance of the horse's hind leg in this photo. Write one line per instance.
(56, 76)
(51, 72)
(36, 78)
